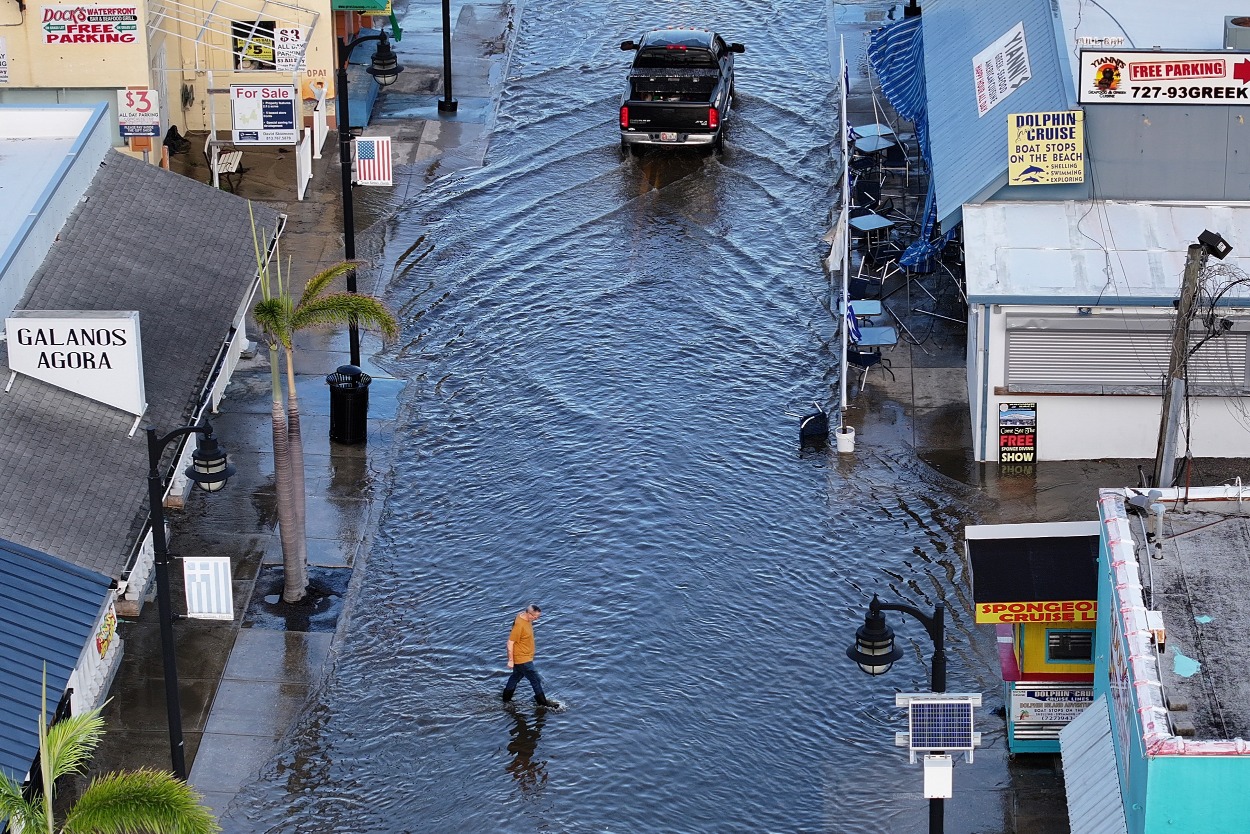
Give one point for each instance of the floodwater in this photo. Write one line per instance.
(606, 358)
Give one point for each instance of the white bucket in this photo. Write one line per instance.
(846, 438)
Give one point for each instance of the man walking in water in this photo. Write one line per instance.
(521, 657)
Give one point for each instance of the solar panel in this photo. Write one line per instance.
(940, 725)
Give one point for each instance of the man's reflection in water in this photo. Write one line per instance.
(530, 773)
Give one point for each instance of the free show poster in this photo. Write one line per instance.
(1017, 433)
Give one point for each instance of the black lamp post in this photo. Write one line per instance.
(874, 651)
(447, 104)
(210, 469)
(385, 69)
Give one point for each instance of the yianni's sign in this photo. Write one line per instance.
(1128, 76)
(96, 354)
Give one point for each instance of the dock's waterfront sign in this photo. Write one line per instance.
(1046, 148)
(95, 354)
(1127, 76)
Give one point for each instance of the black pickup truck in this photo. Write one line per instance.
(679, 89)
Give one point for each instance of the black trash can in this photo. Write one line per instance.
(349, 404)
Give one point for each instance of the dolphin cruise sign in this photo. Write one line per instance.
(95, 354)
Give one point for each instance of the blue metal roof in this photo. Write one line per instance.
(48, 611)
(970, 150)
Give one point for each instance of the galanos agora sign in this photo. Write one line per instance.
(95, 354)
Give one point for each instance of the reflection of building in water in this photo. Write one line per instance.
(530, 774)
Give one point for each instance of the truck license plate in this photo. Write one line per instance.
(668, 137)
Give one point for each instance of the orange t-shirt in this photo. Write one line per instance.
(522, 638)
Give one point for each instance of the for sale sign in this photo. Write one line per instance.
(90, 24)
(138, 113)
(263, 114)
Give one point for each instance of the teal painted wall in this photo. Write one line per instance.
(1199, 795)
(1127, 739)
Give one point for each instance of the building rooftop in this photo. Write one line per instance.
(181, 254)
(1101, 252)
(1194, 575)
(35, 144)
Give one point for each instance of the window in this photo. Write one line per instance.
(1069, 646)
(1118, 354)
(252, 44)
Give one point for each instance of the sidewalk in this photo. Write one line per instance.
(243, 683)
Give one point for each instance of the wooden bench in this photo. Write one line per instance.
(229, 168)
(229, 164)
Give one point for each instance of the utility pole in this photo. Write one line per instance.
(1175, 385)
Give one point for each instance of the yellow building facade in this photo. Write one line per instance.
(186, 53)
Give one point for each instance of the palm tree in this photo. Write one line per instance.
(280, 317)
(120, 803)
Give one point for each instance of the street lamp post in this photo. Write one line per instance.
(447, 104)
(385, 69)
(209, 469)
(874, 652)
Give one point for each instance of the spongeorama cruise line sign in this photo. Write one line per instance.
(96, 354)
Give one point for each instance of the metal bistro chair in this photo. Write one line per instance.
(894, 160)
(862, 360)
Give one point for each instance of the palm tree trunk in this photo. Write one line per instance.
(295, 439)
(294, 568)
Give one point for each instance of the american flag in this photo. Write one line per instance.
(373, 161)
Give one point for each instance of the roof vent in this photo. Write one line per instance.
(1237, 33)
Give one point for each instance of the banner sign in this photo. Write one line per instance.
(1049, 611)
(90, 24)
(1017, 432)
(288, 49)
(263, 114)
(1046, 148)
(1136, 76)
(96, 354)
(373, 160)
(1043, 705)
(1000, 69)
(4, 62)
(138, 113)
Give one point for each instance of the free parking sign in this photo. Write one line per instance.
(263, 114)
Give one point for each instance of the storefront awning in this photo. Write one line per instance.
(1090, 777)
(376, 7)
(1033, 563)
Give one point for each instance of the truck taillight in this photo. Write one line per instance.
(713, 117)
(624, 118)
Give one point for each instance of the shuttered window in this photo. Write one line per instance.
(1114, 355)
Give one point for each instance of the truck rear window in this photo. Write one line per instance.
(662, 57)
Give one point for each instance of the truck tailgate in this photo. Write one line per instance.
(679, 117)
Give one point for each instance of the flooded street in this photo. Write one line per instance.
(602, 354)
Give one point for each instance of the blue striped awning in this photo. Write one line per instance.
(48, 612)
(896, 53)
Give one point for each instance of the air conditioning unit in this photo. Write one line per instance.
(1237, 33)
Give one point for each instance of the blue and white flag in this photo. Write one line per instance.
(852, 325)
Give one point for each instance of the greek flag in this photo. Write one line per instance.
(852, 325)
